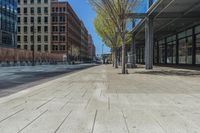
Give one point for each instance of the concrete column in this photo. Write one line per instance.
(149, 43)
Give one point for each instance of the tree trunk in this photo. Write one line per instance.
(115, 58)
(123, 56)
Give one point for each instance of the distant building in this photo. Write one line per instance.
(91, 48)
(8, 23)
(84, 42)
(59, 15)
(34, 25)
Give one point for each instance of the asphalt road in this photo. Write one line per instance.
(15, 79)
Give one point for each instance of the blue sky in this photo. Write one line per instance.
(87, 15)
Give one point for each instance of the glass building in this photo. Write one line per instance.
(8, 23)
(176, 32)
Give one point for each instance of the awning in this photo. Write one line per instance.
(170, 17)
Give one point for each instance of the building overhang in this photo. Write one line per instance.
(170, 17)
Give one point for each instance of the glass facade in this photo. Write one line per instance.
(8, 22)
(181, 48)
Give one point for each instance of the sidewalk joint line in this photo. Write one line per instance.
(93, 125)
(45, 103)
(32, 121)
(11, 115)
(62, 122)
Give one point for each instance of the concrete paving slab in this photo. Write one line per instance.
(100, 100)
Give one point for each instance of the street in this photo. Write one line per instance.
(14, 79)
(100, 100)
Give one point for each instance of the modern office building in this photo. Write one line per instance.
(168, 33)
(8, 23)
(34, 25)
(59, 24)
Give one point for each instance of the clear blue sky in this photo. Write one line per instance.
(87, 15)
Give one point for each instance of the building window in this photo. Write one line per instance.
(32, 20)
(39, 39)
(25, 20)
(32, 1)
(39, 47)
(46, 48)
(185, 47)
(18, 20)
(25, 10)
(25, 2)
(161, 45)
(18, 29)
(25, 47)
(18, 10)
(46, 29)
(39, 10)
(45, 39)
(46, 10)
(46, 1)
(46, 20)
(25, 29)
(32, 10)
(39, 20)
(39, 1)
(39, 29)
(32, 38)
(198, 49)
(18, 38)
(25, 39)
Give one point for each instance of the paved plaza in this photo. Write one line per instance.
(101, 100)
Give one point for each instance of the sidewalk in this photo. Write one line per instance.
(100, 100)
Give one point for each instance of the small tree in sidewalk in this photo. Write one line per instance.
(117, 10)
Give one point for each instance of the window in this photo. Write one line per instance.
(18, 29)
(45, 19)
(18, 38)
(39, 20)
(25, 39)
(39, 38)
(62, 28)
(25, 20)
(32, 19)
(55, 28)
(161, 45)
(39, 10)
(46, 39)
(18, 2)
(197, 29)
(18, 10)
(55, 38)
(198, 49)
(25, 47)
(39, 1)
(45, 29)
(19, 20)
(46, 1)
(39, 47)
(25, 29)
(39, 29)
(46, 48)
(32, 10)
(25, 1)
(46, 10)
(32, 1)
(32, 38)
(25, 10)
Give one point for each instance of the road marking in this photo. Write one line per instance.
(45, 103)
(62, 122)
(93, 125)
(11, 115)
(32, 121)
